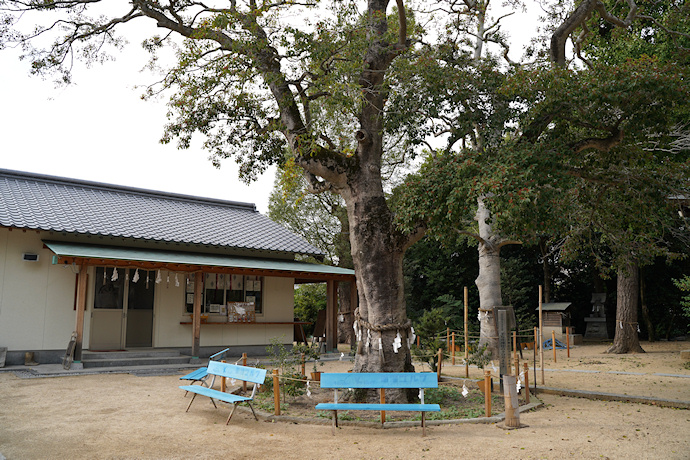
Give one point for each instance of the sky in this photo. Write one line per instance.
(99, 129)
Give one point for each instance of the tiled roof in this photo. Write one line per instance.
(33, 201)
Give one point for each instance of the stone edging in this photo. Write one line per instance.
(677, 404)
(266, 417)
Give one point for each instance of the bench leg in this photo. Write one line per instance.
(232, 412)
(214, 403)
(335, 422)
(190, 402)
(254, 413)
(423, 426)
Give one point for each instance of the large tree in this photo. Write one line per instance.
(259, 79)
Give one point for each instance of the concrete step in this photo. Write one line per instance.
(133, 358)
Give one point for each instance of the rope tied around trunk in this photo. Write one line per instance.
(383, 327)
(360, 324)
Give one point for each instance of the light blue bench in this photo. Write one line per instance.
(201, 375)
(231, 371)
(384, 380)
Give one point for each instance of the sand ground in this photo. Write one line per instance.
(122, 416)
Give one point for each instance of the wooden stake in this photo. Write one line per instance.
(448, 337)
(512, 405)
(383, 401)
(567, 340)
(553, 344)
(440, 363)
(515, 355)
(276, 392)
(417, 341)
(526, 383)
(487, 393)
(244, 363)
(222, 380)
(541, 337)
(467, 356)
(453, 347)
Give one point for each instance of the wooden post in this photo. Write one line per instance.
(383, 401)
(512, 405)
(467, 351)
(517, 366)
(553, 344)
(515, 350)
(440, 363)
(526, 383)
(567, 340)
(82, 278)
(331, 315)
(417, 341)
(276, 392)
(453, 347)
(541, 338)
(447, 337)
(487, 393)
(196, 320)
(244, 363)
(222, 380)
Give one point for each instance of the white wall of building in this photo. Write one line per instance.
(37, 304)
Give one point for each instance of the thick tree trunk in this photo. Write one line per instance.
(626, 339)
(489, 280)
(345, 314)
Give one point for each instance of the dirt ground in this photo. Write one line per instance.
(122, 416)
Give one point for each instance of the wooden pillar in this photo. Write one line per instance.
(331, 315)
(196, 318)
(512, 406)
(467, 351)
(354, 303)
(82, 278)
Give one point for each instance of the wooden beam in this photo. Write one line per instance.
(196, 317)
(189, 268)
(82, 282)
(331, 315)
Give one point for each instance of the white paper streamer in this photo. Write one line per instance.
(135, 278)
(177, 281)
(308, 390)
(465, 391)
(411, 338)
(105, 270)
(342, 355)
(420, 394)
(493, 366)
(114, 277)
(158, 277)
(638, 329)
(147, 279)
(397, 342)
(368, 342)
(167, 280)
(518, 386)
(620, 323)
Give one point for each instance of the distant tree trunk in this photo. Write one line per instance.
(345, 313)
(489, 280)
(626, 339)
(546, 268)
(651, 336)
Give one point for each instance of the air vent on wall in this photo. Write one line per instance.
(28, 257)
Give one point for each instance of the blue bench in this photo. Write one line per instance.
(366, 380)
(201, 375)
(231, 371)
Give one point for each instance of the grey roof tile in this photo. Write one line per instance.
(40, 202)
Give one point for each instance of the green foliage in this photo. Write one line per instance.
(480, 357)
(429, 327)
(309, 300)
(684, 285)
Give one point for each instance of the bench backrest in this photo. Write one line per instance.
(380, 380)
(232, 371)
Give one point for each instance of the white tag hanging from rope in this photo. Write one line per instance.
(638, 328)
(397, 342)
(518, 386)
(105, 272)
(177, 281)
(342, 355)
(620, 323)
(308, 390)
(493, 366)
(368, 343)
(465, 391)
(147, 279)
(412, 336)
(135, 278)
(420, 395)
(158, 277)
(114, 277)
(167, 280)
(381, 348)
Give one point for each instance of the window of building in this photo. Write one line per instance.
(219, 289)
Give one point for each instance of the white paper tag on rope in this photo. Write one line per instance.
(177, 281)
(465, 391)
(518, 386)
(135, 278)
(308, 390)
(620, 323)
(397, 342)
(114, 278)
(411, 338)
(158, 277)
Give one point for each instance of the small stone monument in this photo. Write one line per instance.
(596, 322)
